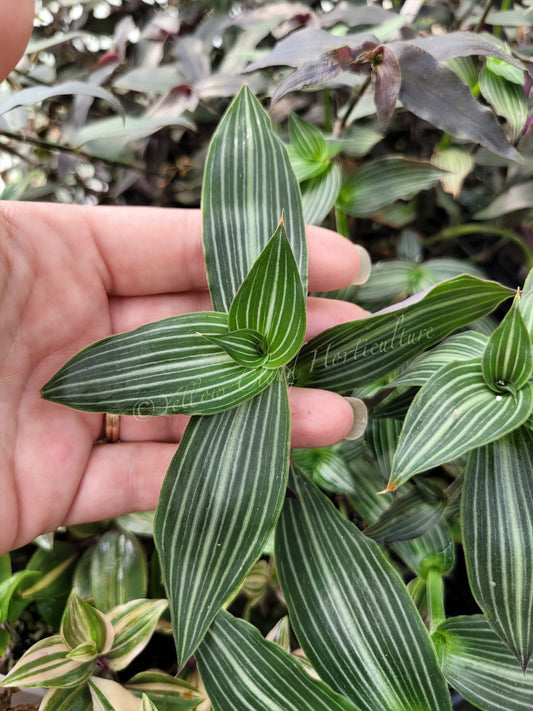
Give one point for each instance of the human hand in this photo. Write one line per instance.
(70, 275)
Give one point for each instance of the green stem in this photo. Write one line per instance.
(435, 595)
(483, 17)
(342, 223)
(486, 230)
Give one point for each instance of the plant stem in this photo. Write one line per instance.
(483, 17)
(435, 595)
(486, 230)
(339, 129)
(341, 221)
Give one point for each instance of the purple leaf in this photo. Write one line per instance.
(387, 79)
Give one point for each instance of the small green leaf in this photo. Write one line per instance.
(506, 363)
(56, 567)
(477, 663)
(46, 663)
(507, 98)
(10, 590)
(72, 699)
(84, 652)
(108, 695)
(163, 368)
(243, 672)
(326, 467)
(246, 346)
(497, 524)
(83, 623)
(452, 413)
(118, 570)
(133, 624)
(307, 140)
(271, 301)
(319, 194)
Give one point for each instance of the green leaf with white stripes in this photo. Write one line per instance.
(243, 672)
(319, 194)
(271, 301)
(167, 692)
(477, 663)
(82, 622)
(248, 184)
(350, 610)
(497, 523)
(133, 624)
(506, 362)
(359, 352)
(507, 98)
(73, 699)
(526, 303)
(452, 413)
(218, 505)
(460, 346)
(47, 663)
(163, 368)
(246, 346)
(108, 695)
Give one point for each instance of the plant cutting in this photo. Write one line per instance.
(227, 483)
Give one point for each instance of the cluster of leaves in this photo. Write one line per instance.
(464, 406)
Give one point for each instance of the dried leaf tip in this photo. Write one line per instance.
(390, 488)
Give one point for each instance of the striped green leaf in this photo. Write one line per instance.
(506, 362)
(319, 194)
(359, 352)
(497, 522)
(147, 704)
(350, 610)
(458, 162)
(435, 549)
(307, 140)
(133, 624)
(526, 302)
(271, 301)
(163, 368)
(46, 663)
(507, 98)
(10, 592)
(119, 571)
(248, 184)
(451, 414)
(218, 505)
(246, 346)
(326, 467)
(243, 672)
(167, 692)
(460, 346)
(108, 695)
(73, 699)
(477, 663)
(382, 439)
(378, 184)
(81, 623)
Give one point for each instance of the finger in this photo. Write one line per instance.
(325, 313)
(334, 261)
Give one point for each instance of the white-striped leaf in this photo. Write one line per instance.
(248, 184)
(218, 505)
(246, 346)
(82, 623)
(477, 663)
(319, 194)
(526, 302)
(460, 346)
(497, 522)
(307, 140)
(163, 368)
(133, 625)
(382, 439)
(458, 162)
(452, 413)
(271, 301)
(508, 99)
(326, 467)
(73, 699)
(108, 695)
(359, 352)
(46, 663)
(350, 610)
(506, 362)
(165, 691)
(243, 672)
(56, 566)
(378, 184)
(10, 590)
(435, 549)
(119, 570)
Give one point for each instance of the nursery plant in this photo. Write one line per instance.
(229, 485)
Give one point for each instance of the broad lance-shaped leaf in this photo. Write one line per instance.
(109, 695)
(271, 301)
(219, 502)
(506, 363)
(133, 624)
(163, 368)
(478, 664)
(248, 184)
(350, 610)
(359, 352)
(497, 523)
(246, 346)
(526, 300)
(165, 691)
(452, 413)
(243, 672)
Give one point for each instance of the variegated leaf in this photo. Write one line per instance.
(452, 413)
(248, 184)
(319, 194)
(350, 610)
(526, 302)
(271, 301)
(352, 354)
(72, 699)
(108, 695)
(46, 663)
(244, 672)
(478, 664)
(246, 346)
(133, 625)
(163, 368)
(81, 623)
(165, 691)
(218, 505)
(497, 523)
(507, 98)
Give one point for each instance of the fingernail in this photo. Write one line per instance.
(360, 417)
(365, 266)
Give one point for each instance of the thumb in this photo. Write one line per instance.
(16, 21)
